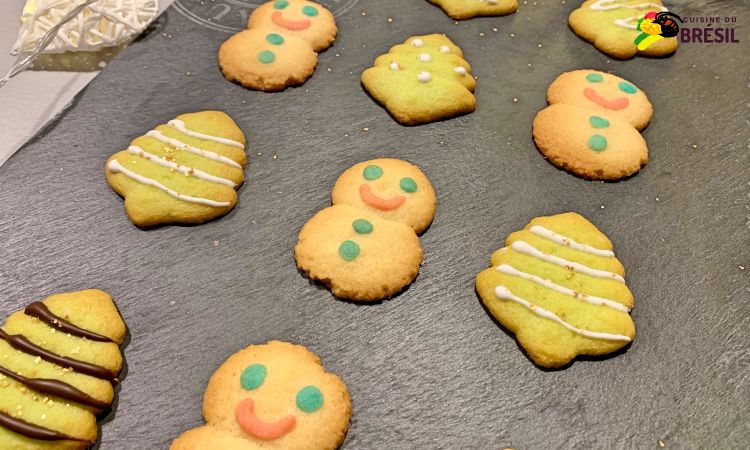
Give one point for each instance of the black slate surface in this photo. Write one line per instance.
(430, 368)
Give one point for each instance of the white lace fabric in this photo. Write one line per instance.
(105, 23)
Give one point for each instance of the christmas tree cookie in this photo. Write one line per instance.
(58, 361)
(559, 288)
(184, 171)
(422, 80)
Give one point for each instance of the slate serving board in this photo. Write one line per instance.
(429, 368)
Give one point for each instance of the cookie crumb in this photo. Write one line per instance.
(481, 34)
(515, 100)
(364, 13)
(539, 45)
(657, 199)
(216, 243)
(390, 19)
(512, 35)
(741, 267)
(494, 29)
(188, 73)
(172, 302)
(694, 146)
(365, 129)
(661, 443)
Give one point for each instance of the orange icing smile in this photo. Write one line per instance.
(373, 200)
(619, 103)
(296, 25)
(244, 414)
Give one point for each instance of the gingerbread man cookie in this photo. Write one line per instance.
(591, 127)
(466, 9)
(280, 47)
(422, 80)
(558, 287)
(59, 359)
(365, 247)
(185, 171)
(613, 27)
(272, 396)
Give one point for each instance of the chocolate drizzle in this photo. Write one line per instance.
(33, 431)
(57, 388)
(19, 342)
(41, 312)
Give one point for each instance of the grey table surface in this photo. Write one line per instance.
(429, 368)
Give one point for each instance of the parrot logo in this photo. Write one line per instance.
(655, 27)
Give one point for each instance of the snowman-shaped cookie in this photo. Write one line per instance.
(280, 46)
(592, 125)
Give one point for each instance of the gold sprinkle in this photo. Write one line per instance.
(365, 129)
(494, 29)
(172, 302)
(661, 443)
(657, 199)
(515, 100)
(188, 73)
(216, 243)
(695, 146)
(390, 19)
(364, 13)
(481, 34)
(741, 267)
(512, 35)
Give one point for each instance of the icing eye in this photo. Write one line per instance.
(310, 11)
(362, 226)
(627, 87)
(266, 57)
(598, 143)
(275, 39)
(280, 4)
(408, 184)
(372, 172)
(252, 377)
(595, 78)
(348, 250)
(309, 399)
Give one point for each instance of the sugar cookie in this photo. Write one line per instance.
(558, 287)
(422, 80)
(185, 171)
(272, 396)
(466, 9)
(612, 26)
(58, 361)
(365, 246)
(591, 126)
(280, 47)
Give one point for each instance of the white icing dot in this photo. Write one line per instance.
(460, 70)
(417, 43)
(395, 66)
(445, 49)
(424, 57)
(424, 77)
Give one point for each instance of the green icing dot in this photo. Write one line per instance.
(310, 11)
(275, 39)
(252, 377)
(280, 4)
(627, 87)
(598, 143)
(266, 57)
(408, 185)
(309, 399)
(372, 172)
(348, 250)
(595, 77)
(362, 226)
(598, 122)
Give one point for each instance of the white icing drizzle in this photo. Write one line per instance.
(528, 249)
(114, 166)
(186, 170)
(549, 284)
(394, 66)
(607, 5)
(180, 125)
(504, 293)
(417, 43)
(189, 148)
(424, 77)
(445, 49)
(460, 70)
(424, 57)
(569, 242)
